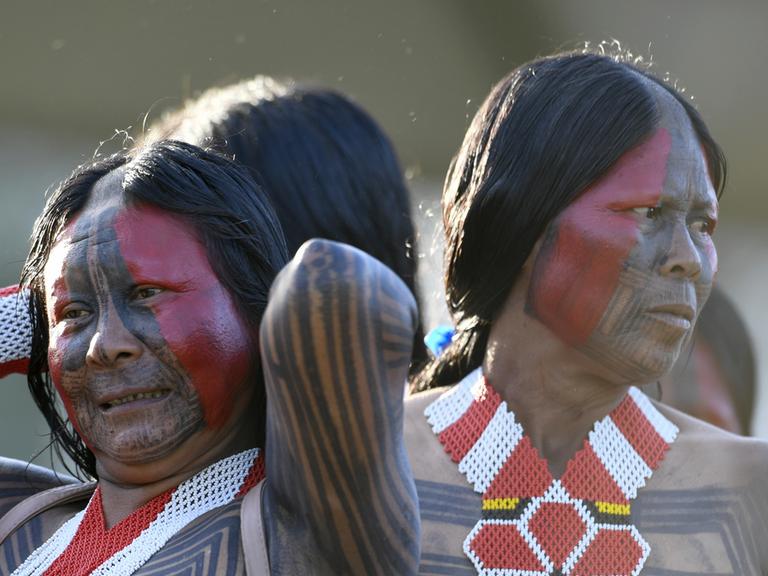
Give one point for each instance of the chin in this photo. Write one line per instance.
(137, 447)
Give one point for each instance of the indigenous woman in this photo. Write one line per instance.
(579, 215)
(148, 275)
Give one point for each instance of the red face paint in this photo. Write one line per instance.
(145, 346)
(577, 269)
(59, 295)
(196, 316)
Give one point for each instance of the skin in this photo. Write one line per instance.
(607, 299)
(336, 346)
(123, 320)
(18, 480)
(337, 332)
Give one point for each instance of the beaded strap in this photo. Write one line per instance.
(83, 546)
(534, 524)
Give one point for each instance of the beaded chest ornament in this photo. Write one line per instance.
(533, 524)
(84, 546)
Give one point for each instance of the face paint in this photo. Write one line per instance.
(577, 269)
(623, 271)
(200, 324)
(146, 347)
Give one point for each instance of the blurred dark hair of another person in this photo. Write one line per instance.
(328, 168)
(714, 379)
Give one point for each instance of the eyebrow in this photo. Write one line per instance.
(697, 203)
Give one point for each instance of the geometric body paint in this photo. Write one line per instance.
(84, 546)
(533, 524)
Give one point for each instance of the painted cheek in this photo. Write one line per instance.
(578, 266)
(206, 336)
(198, 322)
(56, 343)
(57, 372)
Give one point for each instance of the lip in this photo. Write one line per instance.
(680, 315)
(129, 399)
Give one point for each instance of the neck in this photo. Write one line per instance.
(555, 392)
(127, 487)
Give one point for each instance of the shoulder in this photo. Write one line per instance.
(416, 425)
(20, 480)
(715, 456)
(707, 504)
(26, 527)
(427, 456)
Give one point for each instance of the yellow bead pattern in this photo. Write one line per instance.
(500, 503)
(612, 508)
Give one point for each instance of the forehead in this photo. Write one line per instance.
(146, 239)
(688, 177)
(669, 167)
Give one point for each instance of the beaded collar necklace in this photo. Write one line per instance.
(84, 546)
(533, 524)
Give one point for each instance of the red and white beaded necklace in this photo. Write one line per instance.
(536, 525)
(84, 546)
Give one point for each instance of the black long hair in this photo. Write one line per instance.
(545, 133)
(329, 169)
(218, 198)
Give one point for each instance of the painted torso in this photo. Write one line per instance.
(208, 546)
(704, 510)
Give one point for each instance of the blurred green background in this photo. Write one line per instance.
(76, 73)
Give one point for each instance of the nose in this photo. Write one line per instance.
(112, 345)
(683, 259)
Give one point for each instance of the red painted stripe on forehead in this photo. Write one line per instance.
(577, 272)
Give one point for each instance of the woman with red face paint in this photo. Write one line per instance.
(149, 275)
(578, 217)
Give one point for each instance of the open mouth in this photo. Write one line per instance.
(136, 397)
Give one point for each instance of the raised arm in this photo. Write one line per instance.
(336, 344)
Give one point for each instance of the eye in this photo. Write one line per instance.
(74, 314)
(650, 212)
(703, 226)
(144, 292)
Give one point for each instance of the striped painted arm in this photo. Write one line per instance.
(336, 343)
(15, 331)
